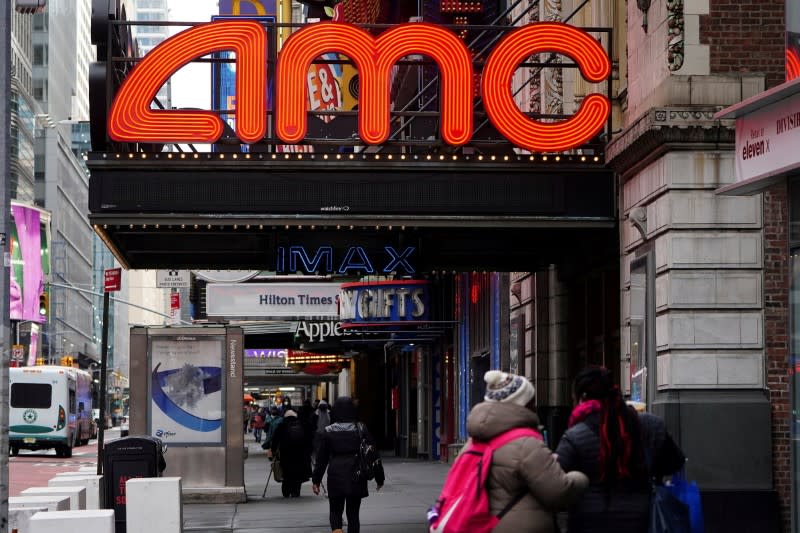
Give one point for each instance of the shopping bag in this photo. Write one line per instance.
(688, 493)
(277, 469)
(667, 513)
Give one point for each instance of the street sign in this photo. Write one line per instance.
(279, 371)
(112, 280)
(175, 308)
(173, 279)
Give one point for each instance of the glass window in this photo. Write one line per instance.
(31, 395)
(40, 54)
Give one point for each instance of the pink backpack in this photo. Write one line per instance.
(463, 506)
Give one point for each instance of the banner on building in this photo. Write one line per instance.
(29, 249)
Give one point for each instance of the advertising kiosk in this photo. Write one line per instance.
(186, 390)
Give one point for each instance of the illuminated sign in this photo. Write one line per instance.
(319, 331)
(266, 353)
(132, 119)
(355, 259)
(384, 301)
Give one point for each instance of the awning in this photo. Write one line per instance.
(767, 134)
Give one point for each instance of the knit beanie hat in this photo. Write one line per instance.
(505, 387)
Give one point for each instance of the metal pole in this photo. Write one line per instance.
(5, 206)
(103, 360)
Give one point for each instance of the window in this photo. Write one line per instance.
(40, 55)
(31, 395)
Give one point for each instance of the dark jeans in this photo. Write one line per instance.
(337, 506)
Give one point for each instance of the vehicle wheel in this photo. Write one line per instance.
(59, 451)
(66, 451)
(15, 450)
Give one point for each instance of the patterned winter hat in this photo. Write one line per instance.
(505, 387)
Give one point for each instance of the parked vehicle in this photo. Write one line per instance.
(50, 407)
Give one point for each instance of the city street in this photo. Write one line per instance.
(35, 468)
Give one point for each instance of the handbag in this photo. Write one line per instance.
(667, 513)
(367, 458)
(277, 468)
(689, 494)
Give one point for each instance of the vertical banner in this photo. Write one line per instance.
(186, 389)
(30, 261)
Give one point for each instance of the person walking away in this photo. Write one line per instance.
(525, 479)
(292, 442)
(258, 424)
(338, 453)
(321, 420)
(621, 451)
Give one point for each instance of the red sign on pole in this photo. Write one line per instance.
(175, 300)
(113, 280)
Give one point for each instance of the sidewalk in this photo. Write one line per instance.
(411, 487)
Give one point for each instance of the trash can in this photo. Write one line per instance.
(124, 459)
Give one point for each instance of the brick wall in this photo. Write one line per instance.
(746, 36)
(776, 325)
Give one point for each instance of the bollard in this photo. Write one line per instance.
(92, 483)
(94, 521)
(77, 494)
(149, 497)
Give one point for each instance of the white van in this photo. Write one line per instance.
(51, 407)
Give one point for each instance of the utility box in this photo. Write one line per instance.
(124, 459)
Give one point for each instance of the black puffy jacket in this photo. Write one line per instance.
(626, 507)
(338, 452)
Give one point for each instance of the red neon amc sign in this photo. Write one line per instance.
(132, 119)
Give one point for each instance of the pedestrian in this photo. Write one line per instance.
(258, 423)
(321, 420)
(292, 442)
(524, 465)
(621, 451)
(306, 415)
(275, 420)
(286, 404)
(338, 453)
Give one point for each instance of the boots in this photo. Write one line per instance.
(338, 531)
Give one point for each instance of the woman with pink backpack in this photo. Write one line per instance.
(524, 484)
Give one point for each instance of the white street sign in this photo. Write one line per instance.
(173, 279)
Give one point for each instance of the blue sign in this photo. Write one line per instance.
(355, 260)
(384, 301)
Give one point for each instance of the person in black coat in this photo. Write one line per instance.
(293, 442)
(338, 452)
(623, 453)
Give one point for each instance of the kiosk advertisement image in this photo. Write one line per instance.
(186, 391)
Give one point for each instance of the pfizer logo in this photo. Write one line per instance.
(29, 416)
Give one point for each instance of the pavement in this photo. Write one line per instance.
(401, 506)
